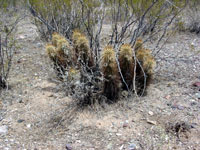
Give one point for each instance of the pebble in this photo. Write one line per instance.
(180, 107)
(20, 120)
(122, 147)
(193, 103)
(177, 107)
(125, 124)
(68, 147)
(168, 97)
(197, 95)
(197, 84)
(19, 100)
(28, 125)
(39, 45)
(132, 146)
(151, 122)
(109, 146)
(3, 129)
(21, 37)
(151, 113)
(118, 134)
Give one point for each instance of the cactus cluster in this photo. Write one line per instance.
(59, 51)
(74, 59)
(145, 64)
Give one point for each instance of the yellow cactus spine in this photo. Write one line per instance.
(126, 65)
(147, 60)
(55, 37)
(51, 51)
(76, 34)
(63, 46)
(83, 51)
(111, 74)
(147, 65)
(138, 44)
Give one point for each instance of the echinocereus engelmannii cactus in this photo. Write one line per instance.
(110, 71)
(126, 65)
(145, 68)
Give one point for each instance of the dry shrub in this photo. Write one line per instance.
(189, 20)
(8, 22)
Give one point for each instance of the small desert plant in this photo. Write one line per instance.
(110, 71)
(76, 34)
(60, 52)
(7, 48)
(193, 16)
(126, 65)
(84, 52)
(51, 51)
(8, 23)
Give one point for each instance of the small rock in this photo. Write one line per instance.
(196, 84)
(39, 45)
(118, 134)
(193, 103)
(21, 37)
(151, 113)
(68, 147)
(125, 125)
(109, 146)
(132, 146)
(122, 147)
(28, 125)
(174, 106)
(198, 95)
(51, 95)
(151, 122)
(3, 129)
(168, 104)
(168, 97)
(19, 61)
(20, 120)
(180, 107)
(19, 100)
(78, 141)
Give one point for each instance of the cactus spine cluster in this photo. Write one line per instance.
(51, 51)
(145, 66)
(126, 65)
(84, 51)
(59, 51)
(111, 74)
(138, 44)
